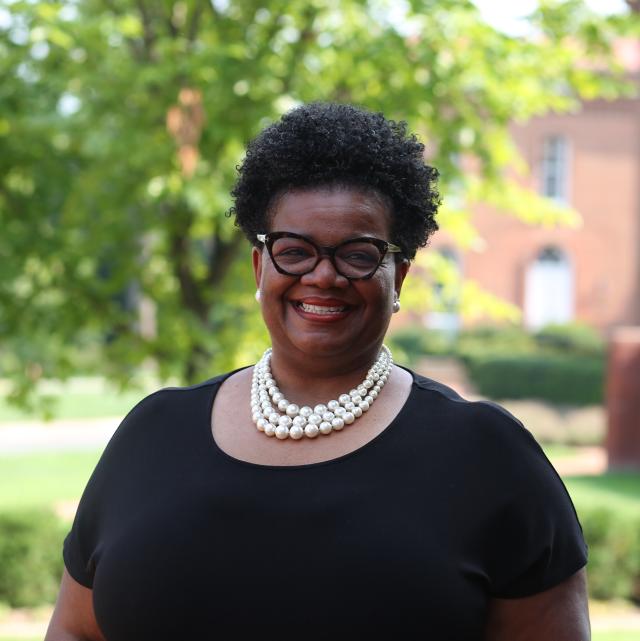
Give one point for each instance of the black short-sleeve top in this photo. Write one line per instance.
(452, 504)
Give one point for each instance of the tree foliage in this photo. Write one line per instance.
(122, 121)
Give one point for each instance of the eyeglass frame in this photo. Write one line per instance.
(384, 246)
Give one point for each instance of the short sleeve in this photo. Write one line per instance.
(536, 541)
(82, 545)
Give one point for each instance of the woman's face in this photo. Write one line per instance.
(295, 307)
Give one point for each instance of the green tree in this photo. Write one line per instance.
(122, 121)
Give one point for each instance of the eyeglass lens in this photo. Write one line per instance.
(353, 259)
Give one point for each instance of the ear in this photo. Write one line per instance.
(402, 268)
(256, 259)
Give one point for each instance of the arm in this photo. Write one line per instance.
(73, 618)
(558, 614)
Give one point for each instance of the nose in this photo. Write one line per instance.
(324, 276)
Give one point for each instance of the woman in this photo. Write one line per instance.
(325, 492)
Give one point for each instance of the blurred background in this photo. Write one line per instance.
(121, 124)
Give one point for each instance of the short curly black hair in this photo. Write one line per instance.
(324, 144)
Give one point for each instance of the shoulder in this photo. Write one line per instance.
(168, 406)
(480, 430)
(473, 413)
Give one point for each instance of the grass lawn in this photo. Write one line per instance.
(81, 398)
(44, 479)
(555, 451)
(619, 491)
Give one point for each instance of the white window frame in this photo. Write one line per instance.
(556, 165)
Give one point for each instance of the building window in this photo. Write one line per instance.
(555, 169)
(549, 289)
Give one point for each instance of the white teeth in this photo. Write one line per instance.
(318, 309)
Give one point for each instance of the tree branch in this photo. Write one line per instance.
(178, 228)
(149, 35)
(221, 258)
(194, 22)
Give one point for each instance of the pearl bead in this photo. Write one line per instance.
(325, 427)
(256, 416)
(344, 398)
(314, 419)
(301, 421)
(376, 389)
(320, 409)
(373, 393)
(333, 405)
(270, 430)
(306, 411)
(384, 378)
(265, 404)
(357, 411)
(337, 423)
(266, 412)
(348, 418)
(356, 399)
(282, 432)
(364, 406)
(353, 392)
(274, 417)
(328, 416)
(362, 390)
(261, 424)
(277, 397)
(369, 399)
(340, 411)
(368, 383)
(349, 406)
(296, 432)
(283, 403)
(311, 431)
(292, 410)
(286, 420)
(375, 376)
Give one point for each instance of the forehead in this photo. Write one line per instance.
(331, 214)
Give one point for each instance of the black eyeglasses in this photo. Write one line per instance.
(355, 259)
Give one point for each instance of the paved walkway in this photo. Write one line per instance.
(64, 435)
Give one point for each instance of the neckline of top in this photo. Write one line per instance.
(339, 459)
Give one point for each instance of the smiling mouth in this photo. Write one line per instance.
(321, 309)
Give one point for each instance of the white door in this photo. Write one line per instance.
(549, 295)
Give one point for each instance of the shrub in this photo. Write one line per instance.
(410, 344)
(565, 380)
(495, 340)
(614, 553)
(30, 557)
(573, 338)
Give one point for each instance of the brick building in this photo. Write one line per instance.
(591, 161)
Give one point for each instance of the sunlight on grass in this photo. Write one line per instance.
(44, 479)
(81, 398)
(618, 491)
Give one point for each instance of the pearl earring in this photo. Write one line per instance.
(396, 305)
(258, 295)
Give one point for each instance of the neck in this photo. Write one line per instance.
(311, 381)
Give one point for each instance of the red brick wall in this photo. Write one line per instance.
(604, 186)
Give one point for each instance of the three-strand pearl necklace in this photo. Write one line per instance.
(274, 415)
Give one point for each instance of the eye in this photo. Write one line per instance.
(359, 257)
(292, 252)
